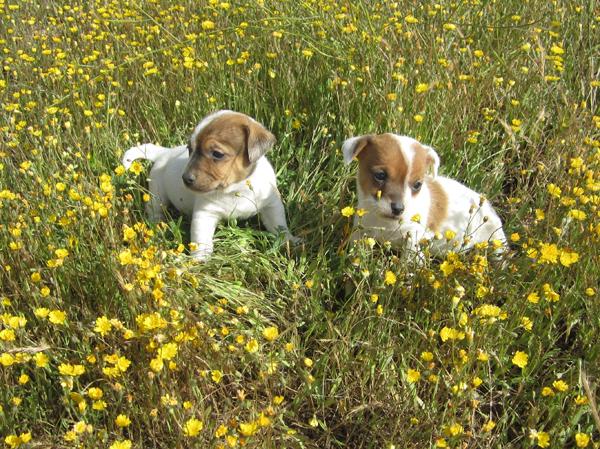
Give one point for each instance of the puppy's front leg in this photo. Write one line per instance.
(273, 217)
(202, 231)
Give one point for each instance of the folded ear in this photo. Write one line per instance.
(351, 147)
(434, 160)
(258, 141)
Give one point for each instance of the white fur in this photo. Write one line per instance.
(256, 194)
(471, 218)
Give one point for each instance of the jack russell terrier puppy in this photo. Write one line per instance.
(405, 205)
(221, 173)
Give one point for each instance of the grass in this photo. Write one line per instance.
(103, 315)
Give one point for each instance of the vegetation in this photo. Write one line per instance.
(111, 337)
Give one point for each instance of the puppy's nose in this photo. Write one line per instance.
(397, 208)
(188, 179)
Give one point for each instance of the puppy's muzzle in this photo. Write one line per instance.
(188, 179)
(397, 209)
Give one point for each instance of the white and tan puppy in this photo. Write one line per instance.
(221, 173)
(406, 202)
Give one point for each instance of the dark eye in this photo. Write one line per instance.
(217, 155)
(380, 176)
(189, 148)
(417, 186)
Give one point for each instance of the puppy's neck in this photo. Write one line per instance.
(244, 183)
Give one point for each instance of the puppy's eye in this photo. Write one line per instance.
(380, 176)
(217, 155)
(417, 186)
(189, 148)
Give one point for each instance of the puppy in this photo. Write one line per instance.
(406, 202)
(221, 173)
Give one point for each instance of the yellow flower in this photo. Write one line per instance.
(560, 385)
(248, 429)
(216, 375)
(454, 429)
(167, 351)
(57, 317)
(527, 323)
(125, 444)
(208, 25)
(533, 298)
(568, 258)
(103, 325)
(520, 359)
(95, 393)
(41, 360)
(582, 439)
(122, 421)
(489, 426)
(252, 346)
(422, 87)
(391, 96)
(547, 391)
(99, 405)
(270, 333)
(426, 356)
(413, 376)
(554, 190)
(548, 253)
(348, 211)
(193, 427)
(543, 439)
(66, 369)
(390, 278)
(448, 333)
(577, 214)
(23, 379)
(221, 431)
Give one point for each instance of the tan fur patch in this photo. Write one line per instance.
(420, 163)
(439, 205)
(382, 152)
(227, 134)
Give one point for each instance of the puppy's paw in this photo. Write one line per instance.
(200, 255)
(294, 241)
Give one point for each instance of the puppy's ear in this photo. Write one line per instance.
(433, 159)
(351, 147)
(258, 141)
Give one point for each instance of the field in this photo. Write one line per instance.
(111, 337)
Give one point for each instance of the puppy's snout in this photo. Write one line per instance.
(188, 179)
(397, 208)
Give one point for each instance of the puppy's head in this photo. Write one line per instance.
(392, 170)
(224, 149)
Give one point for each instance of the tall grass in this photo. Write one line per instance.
(104, 315)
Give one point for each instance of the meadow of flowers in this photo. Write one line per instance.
(110, 337)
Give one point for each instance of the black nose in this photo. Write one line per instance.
(397, 209)
(188, 179)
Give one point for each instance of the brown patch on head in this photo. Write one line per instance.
(225, 151)
(439, 205)
(421, 163)
(382, 154)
